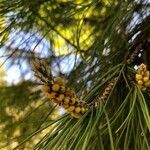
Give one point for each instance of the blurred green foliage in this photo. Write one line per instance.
(22, 111)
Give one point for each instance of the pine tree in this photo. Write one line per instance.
(104, 95)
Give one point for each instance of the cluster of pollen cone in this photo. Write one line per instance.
(106, 92)
(64, 97)
(143, 77)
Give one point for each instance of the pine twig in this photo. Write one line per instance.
(105, 94)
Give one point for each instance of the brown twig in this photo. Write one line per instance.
(105, 94)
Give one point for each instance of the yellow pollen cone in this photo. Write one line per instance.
(147, 84)
(140, 82)
(77, 110)
(83, 110)
(73, 100)
(61, 97)
(145, 79)
(138, 77)
(62, 89)
(45, 88)
(55, 87)
(71, 109)
(51, 95)
(66, 100)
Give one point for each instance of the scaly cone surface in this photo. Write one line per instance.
(143, 77)
(56, 90)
